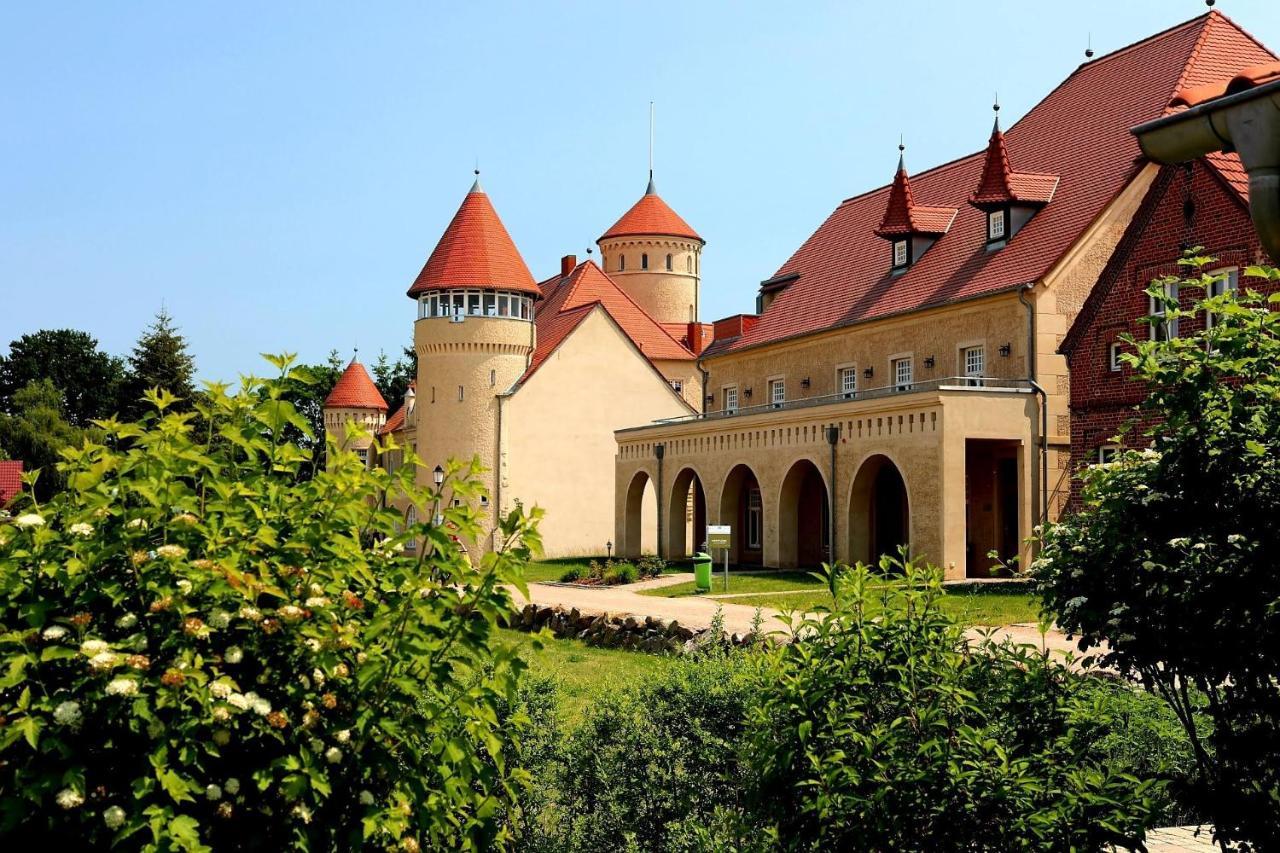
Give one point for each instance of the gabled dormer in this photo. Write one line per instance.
(1008, 198)
(910, 228)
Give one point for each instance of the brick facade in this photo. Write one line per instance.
(1186, 206)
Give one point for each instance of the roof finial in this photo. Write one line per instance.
(1088, 50)
(475, 187)
(650, 189)
(355, 354)
(901, 152)
(996, 109)
(1209, 3)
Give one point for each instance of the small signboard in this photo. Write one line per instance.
(718, 535)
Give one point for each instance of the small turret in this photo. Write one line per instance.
(354, 399)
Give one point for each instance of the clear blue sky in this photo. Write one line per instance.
(277, 173)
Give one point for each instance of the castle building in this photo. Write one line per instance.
(903, 382)
(354, 400)
(533, 378)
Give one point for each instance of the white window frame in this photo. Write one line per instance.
(1163, 329)
(973, 375)
(901, 254)
(777, 391)
(1108, 453)
(997, 225)
(1115, 349)
(411, 518)
(895, 370)
(1223, 285)
(845, 388)
(677, 385)
(729, 398)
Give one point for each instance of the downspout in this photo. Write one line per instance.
(660, 450)
(497, 468)
(706, 376)
(1040, 502)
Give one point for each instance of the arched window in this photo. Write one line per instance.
(688, 263)
(669, 259)
(644, 261)
(622, 262)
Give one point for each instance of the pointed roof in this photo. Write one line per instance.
(355, 390)
(1079, 131)
(475, 251)
(651, 216)
(1000, 185)
(903, 217)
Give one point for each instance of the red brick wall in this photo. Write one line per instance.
(1103, 400)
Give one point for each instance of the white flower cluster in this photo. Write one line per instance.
(81, 528)
(213, 792)
(333, 755)
(140, 523)
(171, 552)
(69, 798)
(30, 519)
(219, 618)
(113, 817)
(55, 632)
(184, 586)
(253, 614)
(127, 621)
(234, 655)
(232, 786)
(317, 601)
(250, 702)
(220, 689)
(67, 714)
(122, 687)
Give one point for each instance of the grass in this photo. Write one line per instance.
(742, 583)
(986, 605)
(583, 672)
(552, 570)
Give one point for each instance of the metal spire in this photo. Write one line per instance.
(650, 190)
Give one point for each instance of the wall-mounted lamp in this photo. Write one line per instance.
(868, 373)
(1005, 349)
(746, 392)
(711, 398)
(804, 383)
(928, 361)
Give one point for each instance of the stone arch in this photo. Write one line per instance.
(640, 517)
(742, 506)
(879, 510)
(686, 527)
(804, 516)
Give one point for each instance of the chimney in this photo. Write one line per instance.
(567, 264)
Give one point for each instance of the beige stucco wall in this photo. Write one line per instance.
(558, 445)
(670, 296)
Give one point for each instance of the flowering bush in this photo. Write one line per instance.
(201, 647)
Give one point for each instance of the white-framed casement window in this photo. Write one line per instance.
(410, 519)
(363, 454)
(903, 373)
(730, 398)
(975, 364)
(755, 520)
(995, 226)
(1114, 350)
(848, 377)
(1108, 453)
(1163, 329)
(1228, 283)
(677, 385)
(777, 392)
(900, 254)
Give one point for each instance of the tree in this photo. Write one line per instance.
(1171, 560)
(307, 394)
(87, 378)
(36, 432)
(393, 379)
(159, 360)
(203, 650)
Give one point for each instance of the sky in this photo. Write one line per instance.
(276, 174)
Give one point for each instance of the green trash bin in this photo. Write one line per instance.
(702, 571)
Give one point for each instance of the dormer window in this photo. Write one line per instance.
(995, 226)
(901, 254)
(910, 228)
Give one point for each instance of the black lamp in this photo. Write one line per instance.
(928, 361)
(438, 475)
(868, 372)
(747, 392)
(804, 383)
(1005, 349)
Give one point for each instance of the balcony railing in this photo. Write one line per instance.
(950, 383)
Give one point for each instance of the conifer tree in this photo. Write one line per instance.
(159, 360)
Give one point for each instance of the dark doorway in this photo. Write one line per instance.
(888, 513)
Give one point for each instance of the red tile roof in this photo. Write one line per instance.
(651, 215)
(1080, 131)
(1000, 185)
(355, 390)
(10, 480)
(567, 300)
(1254, 75)
(395, 422)
(475, 251)
(903, 217)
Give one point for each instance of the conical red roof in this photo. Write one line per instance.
(355, 390)
(651, 215)
(904, 218)
(1001, 185)
(475, 251)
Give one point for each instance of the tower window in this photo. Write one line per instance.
(688, 263)
(995, 226)
(622, 262)
(900, 254)
(644, 260)
(493, 378)
(669, 259)
(460, 393)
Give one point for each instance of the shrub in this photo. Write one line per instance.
(869, 736)
(651, 567)
(572, 575)
(620, 573)
(1171, 559)
(202, 647)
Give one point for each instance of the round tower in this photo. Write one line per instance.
(354, 399)
(656, 257)
(474, 337)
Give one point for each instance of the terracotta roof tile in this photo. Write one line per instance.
(903, 217)
(395, 422)
(651, 215)
(1000, 185)
(475, 251)
(1080, 131)
(10, 480)
(355, 390)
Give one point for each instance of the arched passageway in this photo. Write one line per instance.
(641, 527)
(742, 506)
(804, 529)
(879, 515)
(686, 528)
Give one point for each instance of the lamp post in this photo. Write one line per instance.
(608, 547)
(833, 438)
(437, 476)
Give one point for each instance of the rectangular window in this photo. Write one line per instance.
(995, 225)
(473, 302)
(460, 393)
(777, 392)
(1114, 352)
(848, 381)
(1163, 330)
(363, 453)
(1108, 453)
(902, 374)
(490, 305)
(677, 386)
(1230, 283)
(899, 253)
(975, 364)
(755, 520)
(731, 398)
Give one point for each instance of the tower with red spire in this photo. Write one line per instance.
(354, 401)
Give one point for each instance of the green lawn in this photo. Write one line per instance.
(553, 570)
(584, 672)
(743, 583)
(992, 605)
